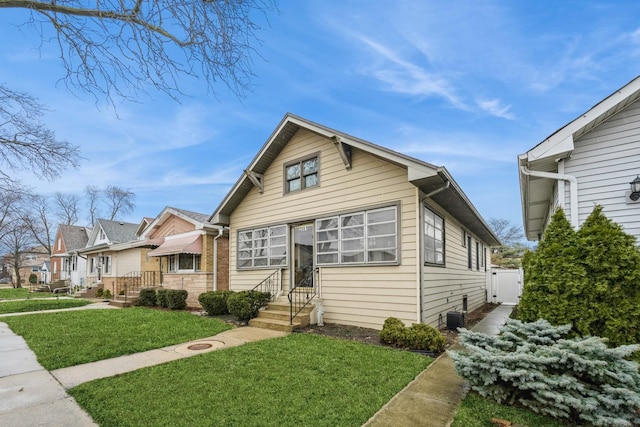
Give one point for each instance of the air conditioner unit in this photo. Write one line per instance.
(629, 199)
(455, 320)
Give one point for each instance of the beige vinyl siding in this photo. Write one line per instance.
(371, 183)
(443, 288)
(604, 161)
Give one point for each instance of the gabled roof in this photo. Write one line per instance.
(536, 193)
(74, 236)
(115, 231)
(199, 220)
(427, 177)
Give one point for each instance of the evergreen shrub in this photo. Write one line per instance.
(548, 370)
(147, 297)
(214, 302)
(99, 292)
(161, 297)
(177, 299)
(419, 336)
(106, 294)
(244, 305)
(588, 278)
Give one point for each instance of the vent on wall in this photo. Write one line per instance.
(628, 199)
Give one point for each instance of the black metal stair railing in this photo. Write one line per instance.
(271, 284)
(300, 296)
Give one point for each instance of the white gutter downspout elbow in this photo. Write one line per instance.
(573, 189)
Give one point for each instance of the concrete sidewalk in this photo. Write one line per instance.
(432, 398)
(32, 396)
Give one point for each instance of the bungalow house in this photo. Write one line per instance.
(114, 254)
(368, 232)
(65, 262)
(193, 254)
(594, 159)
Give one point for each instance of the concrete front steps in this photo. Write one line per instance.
(275, 316)
(89, 292)
(131, 299)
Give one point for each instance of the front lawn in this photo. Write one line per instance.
(22, 293)
(23, 306)
(476, 411)
(74, 337)
(296, 380)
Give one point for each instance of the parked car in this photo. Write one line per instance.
(5, 280)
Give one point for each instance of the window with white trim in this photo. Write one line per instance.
(367, 237)
(433, 237)
(74, 263)
(183, 263)
(106, 264)
(263, 247)
(302, 174)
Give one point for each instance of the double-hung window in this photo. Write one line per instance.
(301, 174)
(368, 237)
(433, 237)
(263, 247)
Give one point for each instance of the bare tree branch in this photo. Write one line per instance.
(92, 194)
(120, 201)
(66, 208)
(121, 47)
(24, 140)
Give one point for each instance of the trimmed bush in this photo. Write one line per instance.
(539, 366)
(147, 297)
(425, 337)
(244, 305)
(106, 294)
(419, 336)
(161, 297)
(214, 302)
(99, 292)
(177, 299)
(393, 332)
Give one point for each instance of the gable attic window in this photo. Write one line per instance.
(301, 174)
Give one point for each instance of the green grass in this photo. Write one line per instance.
(22, 306)
(23, 293)
(74, 337)
(476, 411)
(298, 380)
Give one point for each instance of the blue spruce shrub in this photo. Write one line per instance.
(550, 371)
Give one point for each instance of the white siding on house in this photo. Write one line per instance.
(358, 295)
(604, 161)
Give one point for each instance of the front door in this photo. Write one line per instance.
(303, 255)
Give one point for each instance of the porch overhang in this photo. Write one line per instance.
(181, 245)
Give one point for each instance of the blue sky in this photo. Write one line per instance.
(467, 85)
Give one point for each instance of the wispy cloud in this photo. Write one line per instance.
(495, 108)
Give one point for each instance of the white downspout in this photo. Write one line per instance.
(573, 189)
(215, 258)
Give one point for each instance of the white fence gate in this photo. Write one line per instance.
(506, 286)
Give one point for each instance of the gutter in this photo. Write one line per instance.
(573, 189)
(215, 258)
(437, 190)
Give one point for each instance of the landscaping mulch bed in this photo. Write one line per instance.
(370, 336)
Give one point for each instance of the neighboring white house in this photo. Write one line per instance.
(591, 160)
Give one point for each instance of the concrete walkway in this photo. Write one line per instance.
(32, 396)
(432, 398)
